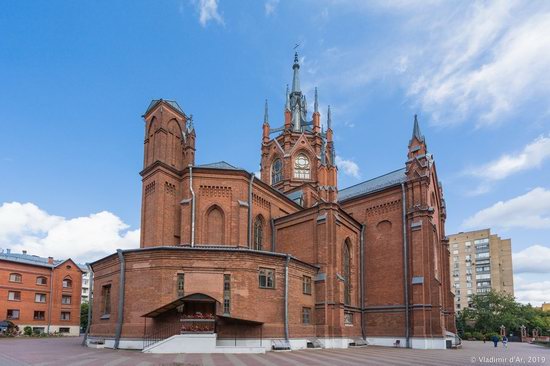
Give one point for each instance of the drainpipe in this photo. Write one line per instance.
(272, 235)
(192, 205)
(90, 303)
(50, 302)
(121, 287)
(286, 296)
(362, 278)
(250, 211)
(405, 266)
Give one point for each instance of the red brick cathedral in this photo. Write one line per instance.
(283, 261)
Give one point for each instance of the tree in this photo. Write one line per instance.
(84, 315)
(490, 311)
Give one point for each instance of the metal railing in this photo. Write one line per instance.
(163, 333)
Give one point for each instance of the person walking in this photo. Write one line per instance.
(495, 340)
(505, 342)
(484, 338)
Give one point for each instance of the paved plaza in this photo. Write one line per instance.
(68, 351)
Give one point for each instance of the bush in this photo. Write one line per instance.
(467, 335)
(477, 335)
(27, 331)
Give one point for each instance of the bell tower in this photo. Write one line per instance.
(169, 147)
(300, 159)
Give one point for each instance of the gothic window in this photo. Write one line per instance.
(258, 233)
(276, 171)
(346, 264)
(214, 226)
(302, 169)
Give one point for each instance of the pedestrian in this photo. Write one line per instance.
(505, 342)
(494, 338)
(484, 338)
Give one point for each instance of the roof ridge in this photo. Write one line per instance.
(368, 180)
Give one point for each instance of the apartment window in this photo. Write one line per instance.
(455, 265)
(348, 318)
(456, 274)
(306, 315)
(455, 251)
(67, 283)
(65, 315)
(469, 292)
(84, 283)
(64, 330)
(12, 314)
(40, 298)
(458, 306)
(106, 300)
(267, 278)
(180, 284)
(469, 285)
(15, 277)
(14, 295)
(485, 276)
(39, 315)
(307, 285)
(455, 258)
(227, 294)
(482, 255)
(458, 292)
(41, 280)
(65, 299)
(455, 245)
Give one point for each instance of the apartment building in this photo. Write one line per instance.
(480, 262)
(42, 293)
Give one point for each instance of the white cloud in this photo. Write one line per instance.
(531, 210)
(532, 156)
(490, 60)
(531, 290)
(534, 259)
(465, 61)
(208, 10)
(24, 226)
(270, 6)
(348, 166)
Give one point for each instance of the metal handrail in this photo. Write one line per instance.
(163, 333)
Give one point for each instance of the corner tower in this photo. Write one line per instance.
(169, 147)
(300, 159)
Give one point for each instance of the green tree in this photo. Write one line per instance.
(84, 315)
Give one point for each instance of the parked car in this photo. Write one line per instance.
(5, 326)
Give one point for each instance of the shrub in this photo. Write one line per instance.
(467, 335)
(27, 331)
(477, 335)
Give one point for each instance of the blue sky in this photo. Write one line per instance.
(77, 76)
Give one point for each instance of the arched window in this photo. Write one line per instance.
(214, 226)
(16, 277)
(302, 169)
(346, 268)
(67, 282)
(258, 233)
(276, 171)
(41, 280)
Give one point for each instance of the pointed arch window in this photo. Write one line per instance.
(258, 233)
(302, 169)
(214, 226)
(276, 171)
(346, 268)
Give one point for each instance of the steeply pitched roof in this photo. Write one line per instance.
(219, 165)
(372, 185)
(172, 103)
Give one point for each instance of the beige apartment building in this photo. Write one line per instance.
(480, 262)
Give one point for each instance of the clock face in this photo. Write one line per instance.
(302, 161)
(301, 167)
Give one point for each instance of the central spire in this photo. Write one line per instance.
(296, 78)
